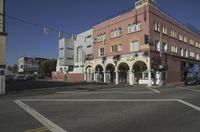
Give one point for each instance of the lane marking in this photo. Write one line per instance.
(98, 100)
(189, 89)
(153, 89)
(189, 104)
(55, 128)
(47, 123)
(113, 100)
(110, 92)
(65, 92)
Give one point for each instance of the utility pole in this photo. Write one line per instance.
(3, 35)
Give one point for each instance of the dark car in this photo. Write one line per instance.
(30, 78)
(192, 79)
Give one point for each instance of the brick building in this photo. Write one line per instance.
(134, 47)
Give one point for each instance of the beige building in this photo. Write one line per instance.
(2, 47)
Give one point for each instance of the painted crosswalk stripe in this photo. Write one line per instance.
(47, 123)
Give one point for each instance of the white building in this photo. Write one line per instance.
(29, 65)
(73, 52)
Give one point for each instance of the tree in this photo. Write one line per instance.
(46, 67)
(13, 69)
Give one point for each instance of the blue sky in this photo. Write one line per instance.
(72, 16)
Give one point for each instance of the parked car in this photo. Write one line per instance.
(30, 78)
(21, 78)
(192, 79)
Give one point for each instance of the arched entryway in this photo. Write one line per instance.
(123, 70)
(89, 74)
(99, 73)
(140, 72)
(110, 73)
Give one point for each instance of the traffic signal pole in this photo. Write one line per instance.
(161, 55)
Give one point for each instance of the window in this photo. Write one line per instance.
(186, 53)
(197, 44)
(116, 33)
(79, 54)
(120, 47)
(157, 26)
(116, 48)
(173, 33)
(134, 27)
(89, 46)
(134, 46)
(182, 51)
(191, 41)
(185, 39)
(192, 54)
(101, 52)
(181, 37)
(165, 47)
(164, 30)
(158, 48)
(174, 49)
(89, 36)
(197, 56)
(101, 37)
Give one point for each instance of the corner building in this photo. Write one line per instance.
(128, 47)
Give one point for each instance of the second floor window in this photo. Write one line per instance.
(181, 37)
(173, 33)
(174, 49)
(134, 46)
(164, 28)
(134, 27)
(185, 39)
(101, 37)
(157, 26)
(101, 52)
(116, 33)
(116, 48)
(182, 51)
(186, 53)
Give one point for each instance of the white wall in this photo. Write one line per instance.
(66, 52)
(84, 40)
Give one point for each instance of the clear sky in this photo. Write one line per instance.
(72, 16)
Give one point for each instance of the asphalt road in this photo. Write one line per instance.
(102, 108)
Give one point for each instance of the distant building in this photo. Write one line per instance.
(29, 65)
(73, 51)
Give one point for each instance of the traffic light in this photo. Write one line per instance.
(146, 39)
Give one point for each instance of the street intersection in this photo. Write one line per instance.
(121, 109)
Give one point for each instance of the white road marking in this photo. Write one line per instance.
(65, 92)
(98, 100)
(55, 128)
(153, 89)
(47, 123)
(109, 92)
(189, 104)
(112, 100)
(189, 89)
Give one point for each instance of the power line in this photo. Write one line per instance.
(29, 23)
